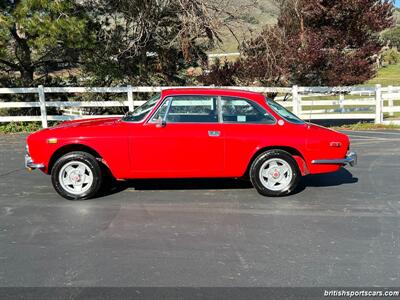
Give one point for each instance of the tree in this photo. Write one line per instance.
(317, 42)
(155, 41)
(39, 36)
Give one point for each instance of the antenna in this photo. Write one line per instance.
(312, 105)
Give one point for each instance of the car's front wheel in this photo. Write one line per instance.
(77, 175)
(274, 173)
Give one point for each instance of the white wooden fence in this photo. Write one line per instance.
(373, 103)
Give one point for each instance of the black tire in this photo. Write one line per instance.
(88, 160)
(257, 164)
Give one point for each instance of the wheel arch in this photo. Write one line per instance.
(71, 148)
(297, 155)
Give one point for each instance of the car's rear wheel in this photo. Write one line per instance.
(274, 173)
(76, 176)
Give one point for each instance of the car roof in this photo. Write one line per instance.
(210, 91)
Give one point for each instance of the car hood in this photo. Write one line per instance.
(74, 127)
(88, 122)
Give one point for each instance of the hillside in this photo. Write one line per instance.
(252, 21)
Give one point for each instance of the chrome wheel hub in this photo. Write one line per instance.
(276, 174)
(76, 177)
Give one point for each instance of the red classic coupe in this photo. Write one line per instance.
(189, 133)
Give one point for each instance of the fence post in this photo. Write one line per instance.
(295, 99)
(341, 102)
(42, 100)
(299, 108)
(390, 90)
(131, 104)
(378, 104)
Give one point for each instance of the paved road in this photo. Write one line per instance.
(342, 229)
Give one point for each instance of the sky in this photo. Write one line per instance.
(397, 3)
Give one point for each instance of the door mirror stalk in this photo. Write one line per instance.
(161, 123)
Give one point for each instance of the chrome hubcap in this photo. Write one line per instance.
(276, 174)
(76, 177)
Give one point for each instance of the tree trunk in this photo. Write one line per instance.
(27, 76)
(23, 54)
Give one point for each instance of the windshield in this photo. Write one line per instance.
(284, 113)
(142, 111)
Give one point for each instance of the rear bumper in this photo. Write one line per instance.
(351, 159)
(30, 164)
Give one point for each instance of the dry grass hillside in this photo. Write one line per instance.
(252, 21)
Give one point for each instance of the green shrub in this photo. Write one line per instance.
(392, 37)
(366, 126)
(15, 127)
(391, 56)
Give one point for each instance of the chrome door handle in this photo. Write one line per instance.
(213, 133)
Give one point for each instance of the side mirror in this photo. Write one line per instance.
(161, 123)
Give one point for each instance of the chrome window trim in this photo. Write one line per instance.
(291, 122)
(168, 109)
(166, 113)
(219, 110)
(146, 118)
(252, 102)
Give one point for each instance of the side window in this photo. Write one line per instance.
(236, 110)
(189, 109)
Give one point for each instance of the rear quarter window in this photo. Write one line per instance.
(238, 110)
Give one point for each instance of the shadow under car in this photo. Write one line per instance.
(342, 176)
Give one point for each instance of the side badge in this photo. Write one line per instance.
(281, 123)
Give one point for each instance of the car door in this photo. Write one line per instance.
(246, 126)
(183, 138)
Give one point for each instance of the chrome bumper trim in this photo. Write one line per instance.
(351, 159)
(30, 164)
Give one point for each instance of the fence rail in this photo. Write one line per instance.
(376, 103)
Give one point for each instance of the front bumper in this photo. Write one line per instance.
(30, 164)
(351, 159)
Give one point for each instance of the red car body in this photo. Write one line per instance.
(145, 149)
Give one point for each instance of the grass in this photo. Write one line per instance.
(366, 126)
(19, 127)
(389, 75)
